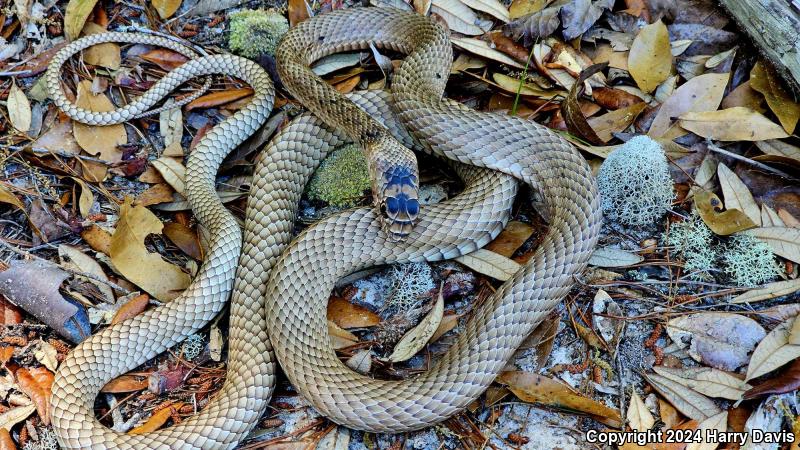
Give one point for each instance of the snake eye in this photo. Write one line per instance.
(392, 206)
(412, 205)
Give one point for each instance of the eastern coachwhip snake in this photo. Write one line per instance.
(267, 277)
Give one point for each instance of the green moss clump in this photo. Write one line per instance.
(256, 32)
(693, 241)
(341, 179)
(749, 261)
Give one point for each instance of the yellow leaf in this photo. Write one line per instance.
(416, 338)
(157, 420)
(19, 109)
(490, 264)
(765, 80)
(131, 258)
(173, 172)
(521, 8)
(75, 16)
(95, 139)
(166, 8)
(732, 124)
(737, 195)
(105, 55)
(701, 93)
(615, 121)
(639, 417)
(721, 222)
(86, 199)
(650, 57)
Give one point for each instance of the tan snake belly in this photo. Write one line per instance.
(305, 273)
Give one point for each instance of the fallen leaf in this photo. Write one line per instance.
(162, 280)
(613, 99)
(215, 343)
(102, 141)
(579, 15)
(166, 8)
(768, 291)
(298, 11)
(9, 315)
(779, 148)
(482, 48)
(75, 16)
(510, 239)
(131, 308)
(86, 200)
(417, 338)
(703, 178)
(166, 59)
(701, 93)
(723, 223)
(615, 121)
(97, 238)
(340, 338)
(490, 264)
(361, 361)
(37, 383)
(770, 218)
(73, 258)
(764, 79)
(348, 315)
(692, 404)
(491, 7)
(773, 351)
(6, 442)
(19, 109)
(6, 196)
(706, 380)
(459, 17)
(157, 420)
(106, 54)
(156, 194)
(173, 172)
(787, 381)
(170, 124)
(185, 238)
(737, 195)
(15, 415)
(732, 124)
(534, 388)
(58, 138)
(639, 417)
(571, 110)
(47, 355)
(219, 98)
(519, 8)
(449, 321)
(721, 340)
(718, 424)
(125, 383)
(783, 241)
(536, 26)
(613, 257)
(650, 58)
(746, 96)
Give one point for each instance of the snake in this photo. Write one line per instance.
(279, 284)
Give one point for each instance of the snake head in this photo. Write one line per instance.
(398, 201)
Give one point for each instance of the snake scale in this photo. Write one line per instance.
(279, 289)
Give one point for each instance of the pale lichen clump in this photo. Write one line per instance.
(409, 282)
(749, 261)
(47, 441)
(635, 184)
(693, 241)
(341, 179)
(192, 346)
(255, 33)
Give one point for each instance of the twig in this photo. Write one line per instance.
(744, 159)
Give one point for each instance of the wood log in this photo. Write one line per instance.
(774, 26)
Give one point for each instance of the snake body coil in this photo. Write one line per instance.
(305, 273)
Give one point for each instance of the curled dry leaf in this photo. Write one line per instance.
(125, 383)
(482, 48)
(692, 404)
(15, 415)
(783, 241)
(701, 93)
(773, 351)
(73, 258)
(639, 417)
(720, 340)
(534, 388)
(19, 109)
(47, 355)
(707, 381)
(416, 338)
(348, 315)
(219, 98)
(571, 110)
(650, 57)
(787, 381)
(185, 238)
(737, 195)
(723, 223)
(37, 383)
(764, 79)
(157, 420)
(490, 264)
(131, 258)
(86, 200)
(732, 124)
(340, 338)
(768, 291)
(75, 16)
(174, 172)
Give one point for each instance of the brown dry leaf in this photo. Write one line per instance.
(692, 404)
(347, 86)
(514, 85)
(98, 140)
(298, 12)
(615, 121)
(340, 338)
(86, 199)
(779, 148)
(37, 383)
(737, 195)
(47, 355)
(718, 423)
(449, 321)
(6, 442)
(157, 420)
(97, 238)
(511, 238)
(218, 98)
(58, 138)
(701, 93)
(125, 383)
(722, 223)
(73, 258)
(185, 238)
(159, 193)
(104, 55)
(482, 48)
(6, 196)
(534, 388)
(650, 57)
(15, 415)
(172, 171)
(162, 280)
(417, 338)
(787, 381)
(131, 308)
(768, 291)
(571, 109)
(164, 58)
(348, 315)
(765, 80)
(783, 241)
(721, 340)
(519, 8)
(19, 109)
(746, 96)
(639, 417)
(75, 17)
(732, 124)
(788, 219)
(613, 99)
(166, 8)
(707, 381)
(9, 315)
(773, 351)
(490, 264)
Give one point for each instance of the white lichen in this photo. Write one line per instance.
(693, 241)
(635, 184)
(408, 284)
(749, 261)
(192, 346)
